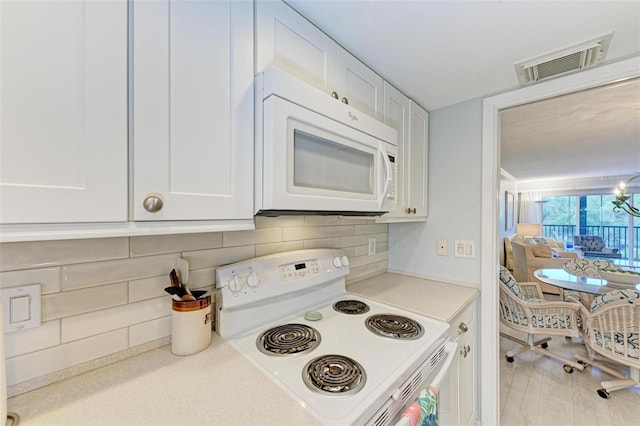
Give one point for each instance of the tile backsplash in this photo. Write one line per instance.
(103, 299)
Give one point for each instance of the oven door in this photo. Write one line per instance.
(436, 374)
(312, 162)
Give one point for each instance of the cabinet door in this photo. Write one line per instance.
(417, 160)
(360, 85)
(396, 115)
(193, 109)
(288, 40)
(467, 380)
(465, 375)
(63, 110)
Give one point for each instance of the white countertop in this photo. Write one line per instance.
(217, 386)
(431, 298)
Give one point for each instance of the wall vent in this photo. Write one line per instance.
(566, 60)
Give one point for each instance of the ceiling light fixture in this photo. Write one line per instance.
(620, 202)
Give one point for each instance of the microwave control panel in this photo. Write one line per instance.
(392, 184)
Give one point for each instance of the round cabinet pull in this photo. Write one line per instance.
(152, 204)
(334, 95)
(345, 101)
(462, 328)
(413, 210)
(408, 210)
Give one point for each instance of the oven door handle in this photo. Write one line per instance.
(451, 348)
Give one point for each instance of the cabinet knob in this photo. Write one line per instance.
(462, 328)
(413, 210)
(345, 101)
(465, 351)
(152, 204)
(408, 210)
(334, 95)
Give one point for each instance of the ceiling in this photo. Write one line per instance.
(445, 52)
(591, 133)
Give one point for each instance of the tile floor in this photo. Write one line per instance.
(536, 391)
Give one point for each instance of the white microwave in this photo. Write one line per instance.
(317, 154)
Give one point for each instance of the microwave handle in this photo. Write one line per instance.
(388, 177)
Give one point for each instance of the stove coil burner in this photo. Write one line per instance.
(334, 375)
(351, 307)
(394, 327)
(288, 339)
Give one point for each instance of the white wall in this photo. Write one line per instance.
(455, 167)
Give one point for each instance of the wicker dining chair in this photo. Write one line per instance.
(610, 330)
(523, 308)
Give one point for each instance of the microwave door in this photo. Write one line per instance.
(314, 163)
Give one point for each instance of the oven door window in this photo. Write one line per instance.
(326, 162)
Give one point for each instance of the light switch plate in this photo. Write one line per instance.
(17, 300)
(465, 248)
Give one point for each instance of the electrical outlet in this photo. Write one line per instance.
(182, 266)
(443, 248)
(372, 246)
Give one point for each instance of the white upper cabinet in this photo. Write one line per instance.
(193, 110)
(286, 39)
(396, 115)
(359, 85)
(417, 161)
(412, 124)
(63, 103)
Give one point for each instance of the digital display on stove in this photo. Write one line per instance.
(295, 271)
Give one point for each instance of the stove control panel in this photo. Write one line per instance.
(261, 278)
(297, 270)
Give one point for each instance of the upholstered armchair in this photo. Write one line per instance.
(508, 249)
(593, 246)
(527, 258)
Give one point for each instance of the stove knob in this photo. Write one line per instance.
(337, 262)
(345, 261)
(253, 280)
(235, 284)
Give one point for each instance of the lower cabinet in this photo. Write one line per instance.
(464, 374)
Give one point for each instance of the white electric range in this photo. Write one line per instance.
(345, 358)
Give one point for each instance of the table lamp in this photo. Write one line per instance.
(529, 229)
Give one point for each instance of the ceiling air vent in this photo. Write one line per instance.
(566, 60)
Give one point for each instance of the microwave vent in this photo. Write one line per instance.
(573, 58)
